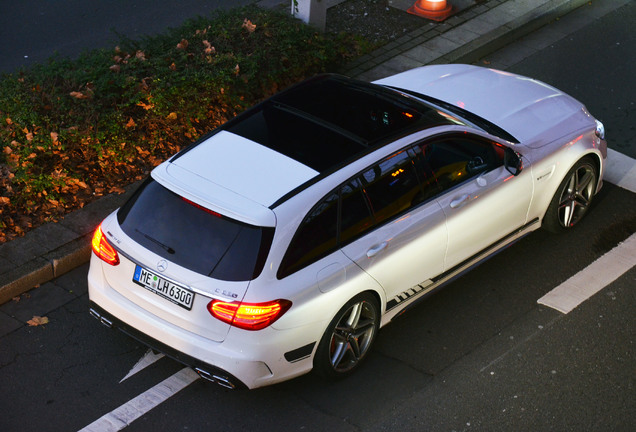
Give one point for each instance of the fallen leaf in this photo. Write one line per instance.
(8, 120)
(209, 49)
(54, 137)
(131, 123)
(117, 189)
(4, 200)
(115, 68)
(247, 25)
(183, 44)
(140, 55)
(145, 105)
(237, 69)
(172, 116)
(78, 95)
(37, 320)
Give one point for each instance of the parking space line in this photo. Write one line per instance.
(621, 170)
(148, 358)
(593, 278)
(130, 411)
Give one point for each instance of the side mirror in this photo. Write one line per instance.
(513, 162)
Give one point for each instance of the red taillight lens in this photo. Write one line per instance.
(248, 316)
(103, 249)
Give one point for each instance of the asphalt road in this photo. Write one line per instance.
(68, 27)
(479, 355)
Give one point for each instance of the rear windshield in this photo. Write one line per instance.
(194, 237)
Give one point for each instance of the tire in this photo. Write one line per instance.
(348, 338)
(573, 197)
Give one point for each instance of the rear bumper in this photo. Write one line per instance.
(206, 371)
(244, 359)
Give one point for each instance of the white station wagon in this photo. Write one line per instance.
(282, 241)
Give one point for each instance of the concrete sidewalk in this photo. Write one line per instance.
(55, 248)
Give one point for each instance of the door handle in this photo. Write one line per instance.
(376, 249)
(460, 201)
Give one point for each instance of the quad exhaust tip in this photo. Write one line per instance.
(220, 380)
(105, 321)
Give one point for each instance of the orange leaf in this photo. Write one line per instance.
(209, 49)
(78, 95)
(37, 320)
(247, 25)
(131, 123)
(145, 105)
(183, 44)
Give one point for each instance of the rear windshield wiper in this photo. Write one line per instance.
(157, 242)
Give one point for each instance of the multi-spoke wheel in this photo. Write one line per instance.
(349, 337)
(573, 198)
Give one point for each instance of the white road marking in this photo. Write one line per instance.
(148, 359)
(593, 278)
(620, 170)
(135, 408)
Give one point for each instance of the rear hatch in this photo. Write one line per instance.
(178, 255)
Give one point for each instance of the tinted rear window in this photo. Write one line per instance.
(193, 237)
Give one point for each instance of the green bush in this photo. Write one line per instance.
(72, 130)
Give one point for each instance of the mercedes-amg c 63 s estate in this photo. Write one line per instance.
(284, 240)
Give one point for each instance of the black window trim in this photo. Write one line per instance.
(339, 245)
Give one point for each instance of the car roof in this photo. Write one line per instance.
(267, 154)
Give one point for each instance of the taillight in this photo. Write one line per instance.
(103, 249)
(248, 316)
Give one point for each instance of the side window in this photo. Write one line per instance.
(316, 236)
(454, 160)
(392, 186)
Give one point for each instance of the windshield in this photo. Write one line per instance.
(470, 117)
(194, 237)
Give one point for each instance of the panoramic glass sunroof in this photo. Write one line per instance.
(330, 119)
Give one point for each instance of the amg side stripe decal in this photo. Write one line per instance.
(406, 295)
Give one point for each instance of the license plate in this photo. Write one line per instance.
(177, 294)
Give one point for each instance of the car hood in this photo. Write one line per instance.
(530, 110)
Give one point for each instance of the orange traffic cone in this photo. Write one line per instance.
(436, 10)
